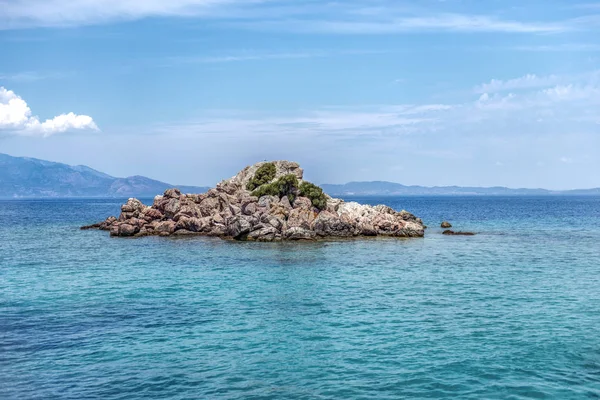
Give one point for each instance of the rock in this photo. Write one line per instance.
(183, 232)
(301, 218)
(231, 211)
(330, 224)
(303, 203)
(285, 203)
(267, 201)
(219, 230)
(124, 230)
(172, 193)
(93, 226)
(209, 206)
(172, 207)
(297, 233)
(266, 234)
(275, 221)
(152, 214)
(107, 224)
(452, 233)
(189, 210)
(446, 225)
(238, 227)
(132, 205)
(235, 210)
(165, 228)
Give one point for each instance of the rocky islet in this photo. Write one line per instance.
(293, 209)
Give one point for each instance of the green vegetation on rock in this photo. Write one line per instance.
(314, 193)
(284, 186)
(264, 174)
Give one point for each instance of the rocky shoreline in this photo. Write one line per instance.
(268, 201)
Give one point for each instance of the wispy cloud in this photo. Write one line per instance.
(351, 17)
(567, 47)
(262, 56)
(427, 23)
(53, 13)
(540, 105)
(29, 76)
(528, 81)
(533, 81)
(16, 118)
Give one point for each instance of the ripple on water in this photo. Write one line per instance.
(511, 313)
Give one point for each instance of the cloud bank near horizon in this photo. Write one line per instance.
(16, 118)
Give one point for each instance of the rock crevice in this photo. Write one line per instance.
(231, 211)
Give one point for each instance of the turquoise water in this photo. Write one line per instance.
(511, 313)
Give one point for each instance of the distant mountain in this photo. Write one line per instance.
(22, 177)
(381, 188)
(30, 177)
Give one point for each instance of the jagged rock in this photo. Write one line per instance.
(231, 211)
(303, 203)
(183, 232)
(267, 201)
(152, 214)
(297, 233)
(165, 227)
(172, 207)
(124, 229)
(93, 226)
(238, 227)
(265, 234)
(330, 224)
(301, 218)
(446, 225)
(285, 203)
(172, 193)
(275, 221)
(208, 206)
(189, 210)
(132, 205)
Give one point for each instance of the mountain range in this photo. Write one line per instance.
(381, 188)
(22, 177)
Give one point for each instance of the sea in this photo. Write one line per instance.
(511, 313)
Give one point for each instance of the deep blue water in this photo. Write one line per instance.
(511, 313)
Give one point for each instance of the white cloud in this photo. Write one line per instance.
(15, 117)
(567, 47)
(48, 13)
(572, 92)
(528, 81)
(531, 110)
(351, 17)
(436, 22)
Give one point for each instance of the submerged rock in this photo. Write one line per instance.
(452, 233)
(263, 202)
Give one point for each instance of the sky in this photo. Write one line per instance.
(421, 92)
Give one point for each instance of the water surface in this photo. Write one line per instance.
(513, 312)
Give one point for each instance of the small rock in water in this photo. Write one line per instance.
(446, 225)
(452, 233)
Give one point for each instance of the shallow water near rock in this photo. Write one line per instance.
(513, 312)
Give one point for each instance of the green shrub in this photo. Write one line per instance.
(315, 194)
(264, 174)
(266, 190)
(284, 186)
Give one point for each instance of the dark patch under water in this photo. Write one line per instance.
(513, 312)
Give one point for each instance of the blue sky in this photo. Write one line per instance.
(431, 92)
